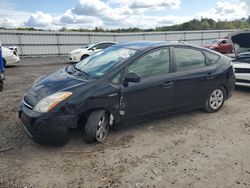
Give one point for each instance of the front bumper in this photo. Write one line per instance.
(45, 128)
(243, 79)
(74, 58)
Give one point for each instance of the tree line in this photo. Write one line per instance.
(203, 24)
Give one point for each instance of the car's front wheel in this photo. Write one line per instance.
(215, 100)
(97, 126)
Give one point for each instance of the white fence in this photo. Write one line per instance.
(59, 43)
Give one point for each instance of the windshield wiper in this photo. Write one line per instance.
(86, 74)
(77, 68)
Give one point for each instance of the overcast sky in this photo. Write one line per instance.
(111, 14)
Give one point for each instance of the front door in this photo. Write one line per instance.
(154, 92)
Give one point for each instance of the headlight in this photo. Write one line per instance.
(50, 102)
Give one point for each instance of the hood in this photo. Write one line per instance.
(240, 41)
(6, 52)
(5, 49)
(64, 79)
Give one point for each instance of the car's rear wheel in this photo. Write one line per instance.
(215, 100)
(84, 56)
(97, 126)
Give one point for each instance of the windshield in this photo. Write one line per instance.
(212, 42)
(100, 63)
(88, 46)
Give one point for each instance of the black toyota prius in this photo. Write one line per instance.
(123, 84)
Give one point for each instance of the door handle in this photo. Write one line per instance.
(168, 84)
(210, 76)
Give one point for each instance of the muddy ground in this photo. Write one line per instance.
(192, 149)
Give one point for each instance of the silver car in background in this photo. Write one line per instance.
(241, 43)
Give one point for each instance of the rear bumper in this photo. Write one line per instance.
(45, 128)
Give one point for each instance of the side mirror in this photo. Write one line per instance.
(132, 77)
(94, 48)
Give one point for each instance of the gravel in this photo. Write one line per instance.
(191, 149)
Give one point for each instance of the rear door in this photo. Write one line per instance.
(154, 92)
(193, 77)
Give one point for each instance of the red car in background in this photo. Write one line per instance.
(220, 45)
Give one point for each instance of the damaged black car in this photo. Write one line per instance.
(124, 84)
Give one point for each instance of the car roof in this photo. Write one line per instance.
(142, 45)
(104, 42)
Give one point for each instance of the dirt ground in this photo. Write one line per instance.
(192, 149)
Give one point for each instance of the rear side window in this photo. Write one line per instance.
(188, 59)
(212, 58)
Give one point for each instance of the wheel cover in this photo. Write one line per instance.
(102, 129)
(216, 99)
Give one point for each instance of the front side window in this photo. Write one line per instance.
(101, 62)
(188, 59)
(116, 79)
(97, 47)
(153, 64)
(103, 46)
(100, 46)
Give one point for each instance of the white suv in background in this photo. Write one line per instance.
(10, 56)
(240, 41)
(85, 51)
(242, 69)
